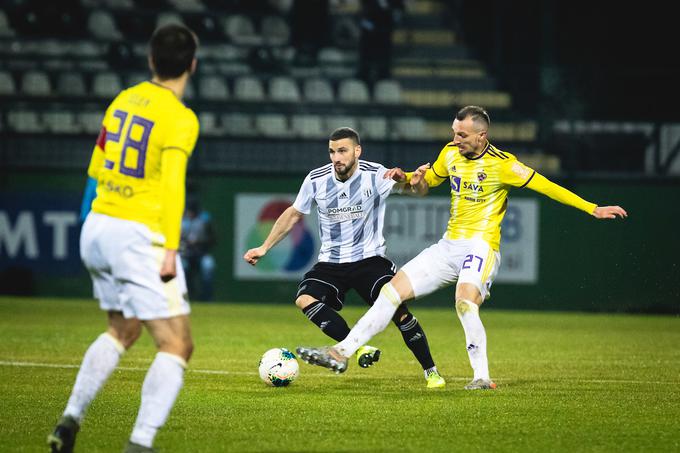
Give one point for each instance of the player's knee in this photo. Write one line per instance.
(179, 346)
(126, 336)
(464, 306)
(304, 301)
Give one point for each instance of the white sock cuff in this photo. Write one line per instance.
(175, 358)
(114, 341)
(463, 306)
(390, 294)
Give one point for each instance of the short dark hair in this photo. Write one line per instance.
(478, 115)
(345, 132)
(172, 48)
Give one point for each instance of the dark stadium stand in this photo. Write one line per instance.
(61, 66)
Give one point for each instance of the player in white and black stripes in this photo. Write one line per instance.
(350, 195)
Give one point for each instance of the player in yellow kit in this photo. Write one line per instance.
(480, 176)
(129, 240)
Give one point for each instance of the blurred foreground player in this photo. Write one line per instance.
(129, 240)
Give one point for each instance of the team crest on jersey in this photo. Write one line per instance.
(481, 176)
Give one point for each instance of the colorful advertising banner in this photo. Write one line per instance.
(289, 259)
(411, 225)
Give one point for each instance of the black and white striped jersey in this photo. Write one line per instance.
(351, 212)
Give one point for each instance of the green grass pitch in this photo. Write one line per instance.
(567, 382)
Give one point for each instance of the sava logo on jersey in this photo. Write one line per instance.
(472, 186)
(345, 213)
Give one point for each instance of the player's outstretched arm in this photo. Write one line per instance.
(396, 173)
(418, 186)
(418, 183)
(280, 230)
(609, 212)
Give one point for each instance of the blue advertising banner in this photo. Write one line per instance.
(39, 231)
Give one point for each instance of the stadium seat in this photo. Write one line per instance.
(410, 128)
(247, 88)
(240, 30)
(53, 48)
(238, 124)
(213, 87)
(273, 125)
(71, 84)
(234, 68)
(387, 92)
(335, 121)
(209, 126)
(6, 30)
(90, 122)
(25, 121)
(35, 83)
(102, 26)
(61, 122)
(275, 31)
(331, 56)
(283, 89)
(227, 52)
(187, 5)
(374, 127)
(318, 91)
(308, 126)
(167, 18)
(119, 4)
(106, 85)
(7, 86)
(86, 49)
(282, 6)
(353, 91)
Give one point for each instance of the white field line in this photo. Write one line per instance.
(321, 374)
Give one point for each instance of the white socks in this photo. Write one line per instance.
(373, 322)
(161, 386)
(99, 362)
(475, 337)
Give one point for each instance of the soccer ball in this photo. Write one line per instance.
(278, 367)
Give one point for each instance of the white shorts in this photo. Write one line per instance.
(444, 263)
(124, 260)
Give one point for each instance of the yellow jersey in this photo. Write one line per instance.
(140, 159)
(479, 190)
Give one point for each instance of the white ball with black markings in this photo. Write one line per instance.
(279, 367)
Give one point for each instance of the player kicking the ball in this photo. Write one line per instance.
(350, 196)
(468, 255)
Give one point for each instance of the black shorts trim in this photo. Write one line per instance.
(310, 279)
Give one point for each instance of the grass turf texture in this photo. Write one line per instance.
(567, 382)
